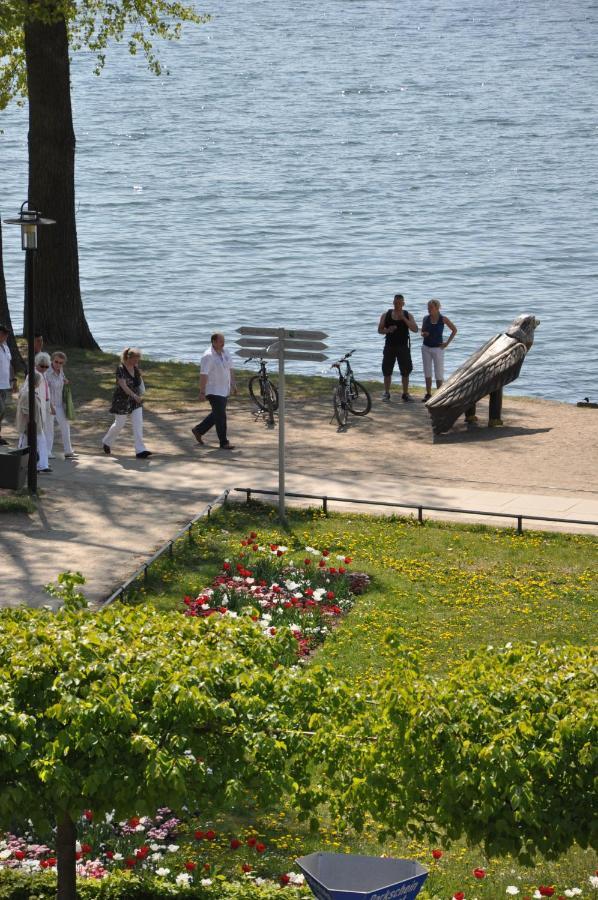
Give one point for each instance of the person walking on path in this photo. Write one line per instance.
(57, 381)
(8, 380)
(41, 411)
(434, 346)
(395, 324)
(127, 400)
(216, 383)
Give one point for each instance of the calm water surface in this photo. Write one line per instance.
(303, 162)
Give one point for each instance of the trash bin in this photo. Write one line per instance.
(344, 876)
(13, 468)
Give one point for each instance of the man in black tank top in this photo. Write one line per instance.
(395, 324)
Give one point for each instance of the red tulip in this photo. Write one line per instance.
(255, 547)
(88, 813)
(284, 879)
(78, 854)
(109, 854)
(199, 835)
(51, 860)
(226, 566)
(130, 862)
(321, 564)
(279, 552)
(190, 866)
(44, 863)
(437, 854)
(348, 560)
(235, 844)
(332, 570)
(18, 854)
(459, 895)
(134, 822)
(546, 890)
(253, 535)
(307, 562)
(246, 867)
(479, 873)
(251, 841)
(330, 595)
(325, 552)
(341, 570)
(210, 835)
(260, 847)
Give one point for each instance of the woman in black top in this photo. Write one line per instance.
(127, 400)
(396, 323)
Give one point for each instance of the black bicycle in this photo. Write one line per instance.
(262, 391)
(349, 396)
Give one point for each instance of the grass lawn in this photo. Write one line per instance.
(444, 590)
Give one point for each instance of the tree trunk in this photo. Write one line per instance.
(17, 359)
(59, 309)
(66, 838)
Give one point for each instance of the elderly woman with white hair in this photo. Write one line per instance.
(22, 421)
(57, 381)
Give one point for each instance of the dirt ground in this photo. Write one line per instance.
(105, 515)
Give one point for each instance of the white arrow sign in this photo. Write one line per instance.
(297, 333)
(281, 344)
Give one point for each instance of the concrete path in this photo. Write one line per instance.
(104, 516)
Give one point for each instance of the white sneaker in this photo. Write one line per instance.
(386, 396)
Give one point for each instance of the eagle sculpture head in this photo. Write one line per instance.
(522, 329)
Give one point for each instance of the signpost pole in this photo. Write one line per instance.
(281, 414)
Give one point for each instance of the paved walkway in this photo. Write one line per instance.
(105, 515)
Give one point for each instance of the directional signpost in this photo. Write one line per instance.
(281, 343)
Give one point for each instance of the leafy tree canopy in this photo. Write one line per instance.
(92, 24)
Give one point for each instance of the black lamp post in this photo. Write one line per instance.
(29, 219)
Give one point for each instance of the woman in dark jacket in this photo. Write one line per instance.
(127, 400)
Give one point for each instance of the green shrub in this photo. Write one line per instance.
(130, 710)
(502, 751)
(20, 886)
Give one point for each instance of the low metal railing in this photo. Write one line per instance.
(325, 499)
(168, 547)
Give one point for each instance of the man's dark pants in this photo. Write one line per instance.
(216, 417)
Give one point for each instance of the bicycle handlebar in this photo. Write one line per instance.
(344, 359)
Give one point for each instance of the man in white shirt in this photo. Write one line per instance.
(8, 380)
(216, 382)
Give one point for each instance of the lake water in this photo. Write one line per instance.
(303, 162)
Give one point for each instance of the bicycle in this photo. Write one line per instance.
(349, 396)
(262, 391)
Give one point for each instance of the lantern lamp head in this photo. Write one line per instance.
(29, 219)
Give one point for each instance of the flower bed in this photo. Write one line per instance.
(159, 850)
(265, 583)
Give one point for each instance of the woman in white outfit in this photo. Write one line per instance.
(22, 420)
(127, 401)
(56, 381)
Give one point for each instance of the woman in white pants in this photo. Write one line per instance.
(127, 401)
(434, 346)
(56, 381)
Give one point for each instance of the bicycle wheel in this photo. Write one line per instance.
(360, 401)
(271, 396)
(255, 392)
(339, 401)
